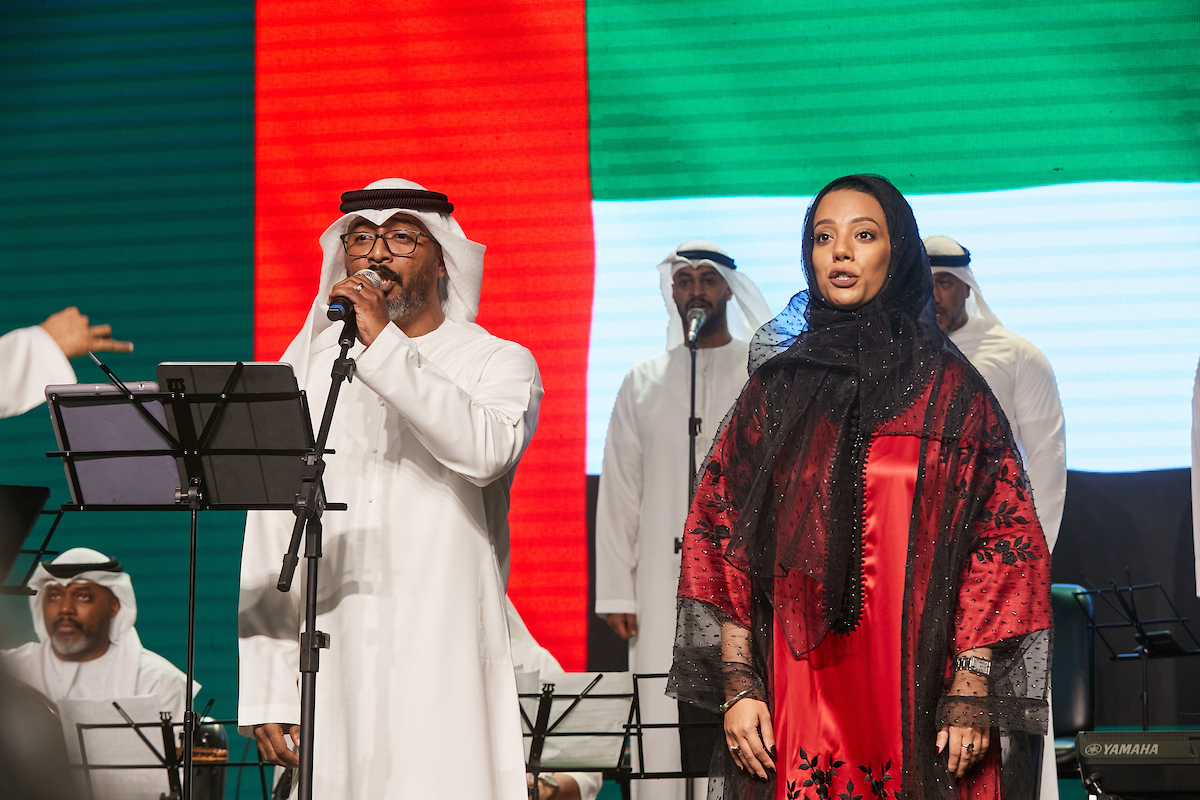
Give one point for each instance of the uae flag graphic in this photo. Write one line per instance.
(581, 142)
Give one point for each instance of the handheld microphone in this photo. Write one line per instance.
(695, 321)
(341, 308)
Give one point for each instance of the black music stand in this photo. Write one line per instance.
(168, 759)
(1149, 644)
(20, 508)
(241, 447)
(583, 717)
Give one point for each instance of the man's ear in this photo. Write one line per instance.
(728, 292)
(116, 605)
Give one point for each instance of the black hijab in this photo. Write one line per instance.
(787, 475)
(820, 366)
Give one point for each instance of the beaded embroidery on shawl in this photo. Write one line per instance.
(776, 523)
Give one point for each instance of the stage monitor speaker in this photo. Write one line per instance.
(1140, 765)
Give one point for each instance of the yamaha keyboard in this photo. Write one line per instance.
(1140, 765)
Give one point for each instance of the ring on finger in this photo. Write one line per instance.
(358, 287)
(733, 748)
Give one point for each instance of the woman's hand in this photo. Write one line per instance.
(749, 736)
(967, 744)
(967, 747)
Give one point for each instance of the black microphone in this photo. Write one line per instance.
(695, 321)
(341, 308)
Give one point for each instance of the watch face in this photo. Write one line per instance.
(979, 666)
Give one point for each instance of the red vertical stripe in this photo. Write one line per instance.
(486, 102)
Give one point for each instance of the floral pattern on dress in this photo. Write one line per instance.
(820, 781)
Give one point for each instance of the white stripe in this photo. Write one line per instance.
(1103, 277)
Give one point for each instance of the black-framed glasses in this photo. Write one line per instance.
(398, 242)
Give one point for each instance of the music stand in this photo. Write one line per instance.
(242, 447)
(1149, 644)
(20, 508)
(168, 759)
(692, 732)
(576, 722)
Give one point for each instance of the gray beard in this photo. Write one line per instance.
(411, 297)
(403, 304)
(74, 648)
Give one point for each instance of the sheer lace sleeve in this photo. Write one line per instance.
(712, 658)
(1003, 606)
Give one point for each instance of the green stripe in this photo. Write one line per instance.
(703, 99)
(127, 137)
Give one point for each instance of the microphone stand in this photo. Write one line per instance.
(693, 343)
(693, 422)
(310, 504)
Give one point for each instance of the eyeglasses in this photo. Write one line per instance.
(398, 243)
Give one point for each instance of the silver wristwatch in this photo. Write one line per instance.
(975, 664)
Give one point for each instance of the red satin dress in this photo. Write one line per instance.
(836, 717)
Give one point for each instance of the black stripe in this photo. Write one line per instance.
(709, 255)
(950, 261)
(381, 199)
(71, 570)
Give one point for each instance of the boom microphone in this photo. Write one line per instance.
(340, 307)
(695, 321)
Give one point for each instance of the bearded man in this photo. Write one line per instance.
(87, 647)
(419, 677)
(643, 496)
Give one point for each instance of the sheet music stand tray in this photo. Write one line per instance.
(584, 723)
(169, 759)
(237, 449)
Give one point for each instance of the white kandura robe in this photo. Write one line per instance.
(125, 670)
(641, 511)
(30, 360)
(417, 690)
(1021, 378)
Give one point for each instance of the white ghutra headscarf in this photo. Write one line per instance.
(463, 259)
(84, 565)
(947, 255)
(745, 312)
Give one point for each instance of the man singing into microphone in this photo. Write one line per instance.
(644, 479)
(416, 692)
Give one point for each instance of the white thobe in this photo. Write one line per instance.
(30, 360)
(418, 682)
(1021, 378)
(125, 670)
(641, 511)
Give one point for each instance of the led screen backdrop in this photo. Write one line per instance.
(187, 156)
(127, 189)
(1057, 141)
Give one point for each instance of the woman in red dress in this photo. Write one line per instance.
(865, 585)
